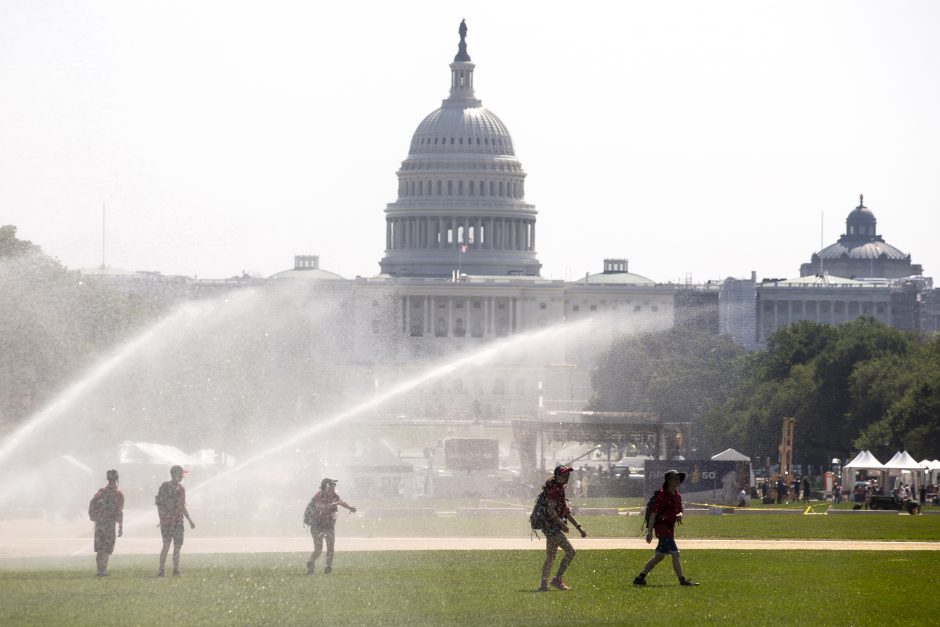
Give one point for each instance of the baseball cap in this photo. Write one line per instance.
(562, 470)
(111, 474)
(327, 481)
(670, 473)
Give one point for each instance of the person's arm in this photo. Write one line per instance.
(649, 524)
(577, 526)
(352, 510)
(553, 515)
(120, 514)
(192, 525)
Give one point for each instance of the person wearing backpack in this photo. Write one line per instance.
(552, 510)
(106, 509)
(321, 516)
(661, 519)
(171, 506)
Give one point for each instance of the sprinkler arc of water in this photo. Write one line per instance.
(435, 372)
(96, 375)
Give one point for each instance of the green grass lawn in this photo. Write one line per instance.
(699, 525)
(480, 588)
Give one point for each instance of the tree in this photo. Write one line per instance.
(678, 374)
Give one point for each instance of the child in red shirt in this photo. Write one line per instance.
(667, 509)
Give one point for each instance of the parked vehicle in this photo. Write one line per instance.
(889, 502)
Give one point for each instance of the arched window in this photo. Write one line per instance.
(500, 188)
(440, 329)
(420, 188)
(481, 189)
(460, 188)
(438, 188)
(459, 329)
(461, 141)
(470, 187)
(492, 188)
(450, 188)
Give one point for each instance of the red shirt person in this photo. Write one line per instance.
(666, 511)
(106, 510)
(321, 516)
(171, 507)
(555, 521)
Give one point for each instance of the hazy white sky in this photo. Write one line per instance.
(690, 137)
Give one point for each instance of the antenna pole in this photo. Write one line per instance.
(822, 218)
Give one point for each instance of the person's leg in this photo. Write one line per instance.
(551, 547)
(658, 555)
(330, 542)
(650, 565)
(566, 560)
(167, 538)
(677, 565)
(317, 547)
(101, 560)
(177, 546)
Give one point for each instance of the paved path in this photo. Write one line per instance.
(24, 547)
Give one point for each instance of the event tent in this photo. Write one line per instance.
(902, 463)
(731, 455)
(863, 461)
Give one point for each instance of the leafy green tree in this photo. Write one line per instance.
(678, 374)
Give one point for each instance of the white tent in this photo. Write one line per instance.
(932, 468)
(731, 455)
(901, 464)
(863, 461)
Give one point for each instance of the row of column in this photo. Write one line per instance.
(423, 316)
(451, 232)
(779, 313)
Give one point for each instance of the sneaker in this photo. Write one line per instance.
(176, 573)
(327, 570)
(309, 568)
(639, 580)
(101, 575)
(687, 582)
(561, 585)
(543, 587)
(160, 573)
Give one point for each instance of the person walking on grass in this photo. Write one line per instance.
(666, 511)
(321, 516)
(171, 506)
(556, 517)
(106, 509)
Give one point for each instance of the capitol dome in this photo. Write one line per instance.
(461, 193)
(460, 129)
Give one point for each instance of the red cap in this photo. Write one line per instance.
(562, 470)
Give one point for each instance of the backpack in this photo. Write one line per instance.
(166, 499)
(94, 506)
(649, 510)
(539, 511)
(309, 514)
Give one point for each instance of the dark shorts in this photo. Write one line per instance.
(174, 532)
(667, 546)
(320, 530)
(104, 538)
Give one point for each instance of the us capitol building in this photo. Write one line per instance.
(461, 268)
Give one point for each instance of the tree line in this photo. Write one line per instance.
(861, 385)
